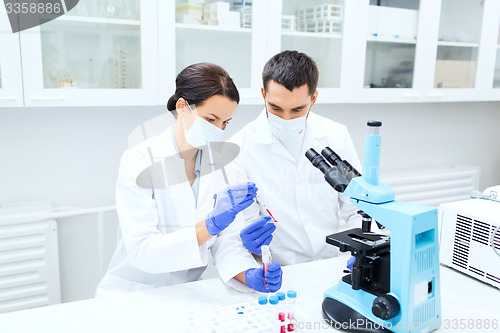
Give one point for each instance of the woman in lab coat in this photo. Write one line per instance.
(168, 224)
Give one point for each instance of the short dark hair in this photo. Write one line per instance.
(198, 82)
(291, 69)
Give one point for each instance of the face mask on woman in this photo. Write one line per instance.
(201, 131)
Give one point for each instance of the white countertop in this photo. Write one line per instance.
(165, 309)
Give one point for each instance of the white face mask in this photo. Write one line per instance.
(286, 129)
(201, 132)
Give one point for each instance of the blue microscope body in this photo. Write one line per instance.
(394, 283)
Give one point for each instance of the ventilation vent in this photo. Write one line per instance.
(29, 266)
(477, 271)
(425, 312)
(496, 240)
(462, 241)
(425, 259)
(493, 278)
(481, 232)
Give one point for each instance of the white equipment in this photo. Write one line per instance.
(470, 235)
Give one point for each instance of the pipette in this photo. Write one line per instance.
(267, 210)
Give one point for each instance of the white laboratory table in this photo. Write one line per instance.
(165, 309)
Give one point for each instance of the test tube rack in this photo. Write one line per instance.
(248, 317)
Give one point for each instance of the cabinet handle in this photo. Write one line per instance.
(411, 95)
(434, 95)
(48, 98)
(8, 98)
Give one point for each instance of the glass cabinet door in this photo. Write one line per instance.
(218, 32)
(96, 46)
(315, 27)
(391, 43)
(93, 55)
(458, 43)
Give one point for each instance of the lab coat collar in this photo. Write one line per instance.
(164, 145)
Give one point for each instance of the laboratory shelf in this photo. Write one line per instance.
(457, 44)
(391, 40)
(311, 34)
(212, 28)
(84, 19)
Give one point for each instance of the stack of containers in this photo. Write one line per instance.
(288, 22)
(245, 8)
(321, 18)
(218, 13)
(189, 11)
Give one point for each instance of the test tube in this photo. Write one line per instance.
(273, 301)
(281, 311)
(292, 295)
(263, 306)
(266, 260)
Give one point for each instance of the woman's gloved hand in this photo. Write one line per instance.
(228, 203)
(254, 278)
(257, 234)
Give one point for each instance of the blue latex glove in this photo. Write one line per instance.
(228, 203)
(350, 262)
(257, 234)
(254, 278)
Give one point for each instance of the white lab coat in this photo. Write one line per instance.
(296, 193)
(157, 243)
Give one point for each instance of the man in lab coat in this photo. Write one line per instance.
(272, 155)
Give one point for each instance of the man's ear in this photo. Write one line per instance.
(314, 98)
(263, 91)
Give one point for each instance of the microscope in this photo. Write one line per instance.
(394, 284)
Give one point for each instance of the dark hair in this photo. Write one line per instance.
(198, 82)
(291, 69)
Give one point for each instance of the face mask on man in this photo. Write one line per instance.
(286, 129)
(201, 131)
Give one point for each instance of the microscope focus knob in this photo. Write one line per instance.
(385, 307)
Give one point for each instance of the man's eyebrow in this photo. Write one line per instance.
(299, 107)
(274, 105)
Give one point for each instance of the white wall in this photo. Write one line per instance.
(70, 156)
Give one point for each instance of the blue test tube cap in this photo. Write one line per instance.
(281, 296)
(273, 300)
(262, 300)
(291, 294)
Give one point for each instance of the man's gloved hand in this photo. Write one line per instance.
(257, 234)
(254, 278)
(350, 262)
(228, 203)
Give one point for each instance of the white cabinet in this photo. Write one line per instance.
(11, 90)
(231, 34)
(100, 53)
(128, 52)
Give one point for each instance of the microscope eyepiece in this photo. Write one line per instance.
(345, 167)
(313, 156)
(333, 175)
